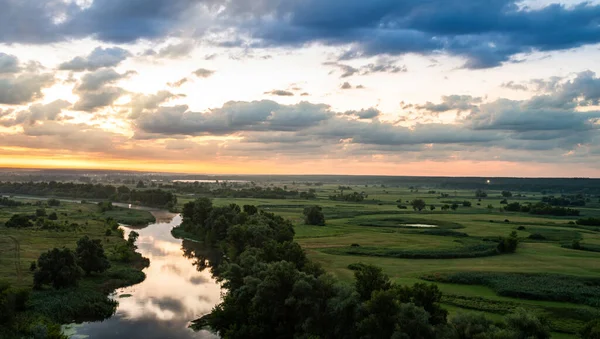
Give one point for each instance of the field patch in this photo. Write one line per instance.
(550, 287)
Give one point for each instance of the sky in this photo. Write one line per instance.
(381, 87)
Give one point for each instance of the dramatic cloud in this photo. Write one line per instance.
(234, 117)
(141, 103)
(95, 80)
(37, 112)
(90, 101)
(485, 33)
(98, 58)
(23, 88)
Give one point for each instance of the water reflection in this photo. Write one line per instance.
(175, 291)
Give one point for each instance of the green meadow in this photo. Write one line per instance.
(461, 243)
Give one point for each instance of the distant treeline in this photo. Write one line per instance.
(152, 197)
(541, 208)
(571, 200)
(233, 191)
(548, 185)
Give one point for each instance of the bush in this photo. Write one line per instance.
(58, 268)
(53, 216)
(314, 216)
(53, 202)
(521, 228)
(466, 203)
(589, 222)
(19, 221)
(355, 245)
(536, 236)
(90, 255)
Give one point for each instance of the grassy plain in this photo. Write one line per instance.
(377, 226)
(19, 247)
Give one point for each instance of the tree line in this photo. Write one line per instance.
(275, 291)
(150, 197)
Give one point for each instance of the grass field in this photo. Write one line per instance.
(374, 231)
(19, 247)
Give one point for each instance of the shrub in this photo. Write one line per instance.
(58, 268)
(314, 216)
(536, 236)
(521, 228)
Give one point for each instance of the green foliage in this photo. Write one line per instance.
(352, 197)
(105, 206)
(90, 255)
(58, 268)
(4, 201)
(53, 216)
(525, 325)
(466, 203)
(418, 204)
(369, 279)
(507, 194)
(19, 221)
(250, 209)
(53, 202)
(589, 222)
(40, 212)
(480, 194)
(470, 250)
(591, 330)
(509, 244)
(313, 215)
(551, 287)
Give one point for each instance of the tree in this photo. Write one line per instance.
(480, 194)
(90, 255)
(53, 202)
(445, 207)
(466, 203)
(506, 194)
(57, 267)
(132, 238)
(140, 184)
(18, 221)
(369, 279)
(314, 216)
(591, 330)
(418, 204)
(40, 212)
(431, 207)
(53, 216)
(454, 206)
(509, 244)
(250, 209)
(526, 325)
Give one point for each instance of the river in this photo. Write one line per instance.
(174, 293)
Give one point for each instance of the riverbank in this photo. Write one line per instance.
(90, 299)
